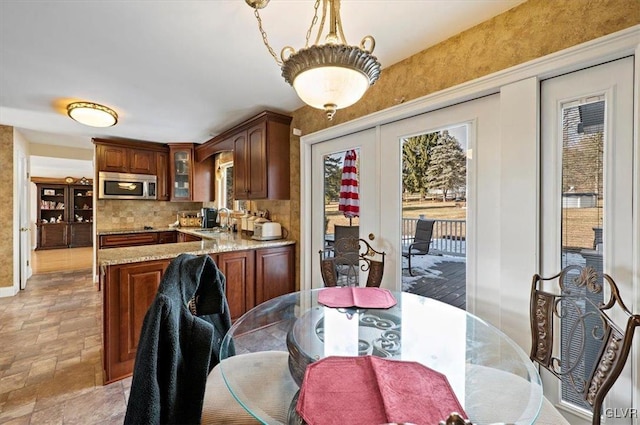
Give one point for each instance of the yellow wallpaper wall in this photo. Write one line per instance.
(529, 31)
(6, 206)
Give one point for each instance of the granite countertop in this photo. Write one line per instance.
(211, 243)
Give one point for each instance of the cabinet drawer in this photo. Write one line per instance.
(167, 237)
(130, 239)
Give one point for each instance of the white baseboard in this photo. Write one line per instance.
(8, 291)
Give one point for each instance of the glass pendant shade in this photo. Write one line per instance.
(328, 76)
(332, 87)
(92, 114)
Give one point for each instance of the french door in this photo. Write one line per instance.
(587, 194)
(480, 119)
(327, 161)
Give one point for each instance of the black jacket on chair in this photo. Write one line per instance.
(179, 343)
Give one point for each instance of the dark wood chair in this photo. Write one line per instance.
(572, 301)
(421, 241)
(341, 265)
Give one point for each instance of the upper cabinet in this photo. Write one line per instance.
(162, 172)
(190, 180)
(130, 157)
(260, 156)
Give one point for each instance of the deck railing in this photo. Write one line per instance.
(449, 236)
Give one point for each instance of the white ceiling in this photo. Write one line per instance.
(184, 70)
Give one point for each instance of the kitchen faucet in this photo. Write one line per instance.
(224, 226)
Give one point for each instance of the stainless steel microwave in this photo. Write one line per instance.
(126, 186)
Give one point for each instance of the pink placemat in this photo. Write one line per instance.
(350, 296)
(371, 390)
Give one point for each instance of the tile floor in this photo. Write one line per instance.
(50, 355)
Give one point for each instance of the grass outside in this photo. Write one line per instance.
(577, 225)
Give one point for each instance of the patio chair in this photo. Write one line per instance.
(341, 265)
(421, 241)
(575, 302)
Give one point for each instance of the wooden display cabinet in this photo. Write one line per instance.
(64, 215)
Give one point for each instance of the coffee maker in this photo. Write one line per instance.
(209, 217)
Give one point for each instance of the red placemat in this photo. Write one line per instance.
(371, 390)
(353, 296)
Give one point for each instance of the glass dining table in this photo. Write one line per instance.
(492, 377)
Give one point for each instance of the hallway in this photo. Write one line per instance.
(50, 356)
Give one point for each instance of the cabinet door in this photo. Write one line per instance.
(112, 158)
(185, 237)
(167, 237)
(238, 268)
(142, 161)
(129, 290)
(52, 236)
(80, 234)
(275, 274)
(241, 166)
(257, 143)
(162, 171)
(181, 165)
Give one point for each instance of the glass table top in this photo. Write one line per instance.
(492, 377)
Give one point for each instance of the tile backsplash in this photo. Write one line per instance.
(135, 214)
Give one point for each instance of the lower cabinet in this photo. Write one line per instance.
(52, 235)
(275, 271)
(252, 277)
(185, 237)
(80, 234)
(238, 268)
(129, 290)
(64, 235)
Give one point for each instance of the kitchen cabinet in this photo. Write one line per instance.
(190, 180)
(122, 159)
(261, 158)
(121, 240)
(167, 237)
(64, 214)
(238, 268)
(261, 163)
(162, 173)
(129, 290)
(252, 276)
(132, 157)
(275, 272)
(184, 237)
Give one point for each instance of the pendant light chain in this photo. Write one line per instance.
(315, 21)
(264, 38)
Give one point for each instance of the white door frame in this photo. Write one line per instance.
(366, 143)
(24, 235)
(520, 77)
(612, 81)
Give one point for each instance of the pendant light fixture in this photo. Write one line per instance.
(92, 114)
(328, 76)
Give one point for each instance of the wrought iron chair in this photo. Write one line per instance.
(341, 265)
(455, 419)
(421, 241)
(573, 302)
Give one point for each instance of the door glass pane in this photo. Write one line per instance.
(181, 173)
(583, 126)
(341, 210)
(434, 188)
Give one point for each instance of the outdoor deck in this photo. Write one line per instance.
(440, 277)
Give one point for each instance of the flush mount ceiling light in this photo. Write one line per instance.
(92, 114)
(327, 76)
